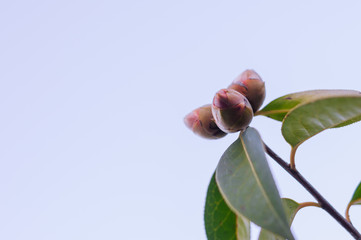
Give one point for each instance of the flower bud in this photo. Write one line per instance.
(231, 110)
(202, 123)
(250, 84)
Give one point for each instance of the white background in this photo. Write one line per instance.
(92, 100)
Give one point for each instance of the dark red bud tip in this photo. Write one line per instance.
(191, 119)
(250, 74)
(251, 85)
(226, 98)
(234, 113)
(202, 123)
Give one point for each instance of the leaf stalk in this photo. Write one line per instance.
(307, 204)
(348, 212)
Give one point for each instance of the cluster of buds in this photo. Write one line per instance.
(232, 108)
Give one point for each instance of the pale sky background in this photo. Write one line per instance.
(92, 100)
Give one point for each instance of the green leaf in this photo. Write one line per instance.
(220, 222)
(355, 200)
(291, 208)
(311, 118)
(246, 183)
(278, 108)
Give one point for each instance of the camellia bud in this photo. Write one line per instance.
(202, 123)
(231, 110)
(250, 84)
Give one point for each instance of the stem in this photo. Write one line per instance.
(324, 204)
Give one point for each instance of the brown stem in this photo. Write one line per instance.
(324, 204)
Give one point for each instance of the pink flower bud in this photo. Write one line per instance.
(231, 111)
(202, 123)
(250, 84)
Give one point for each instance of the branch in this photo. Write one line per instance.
(324, 204)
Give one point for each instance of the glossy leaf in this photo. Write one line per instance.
(308, 119)
(355, 200)
(291, 208)
(278, 108)
(246, 183)
(220, 222)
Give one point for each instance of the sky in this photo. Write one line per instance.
(93, 96)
